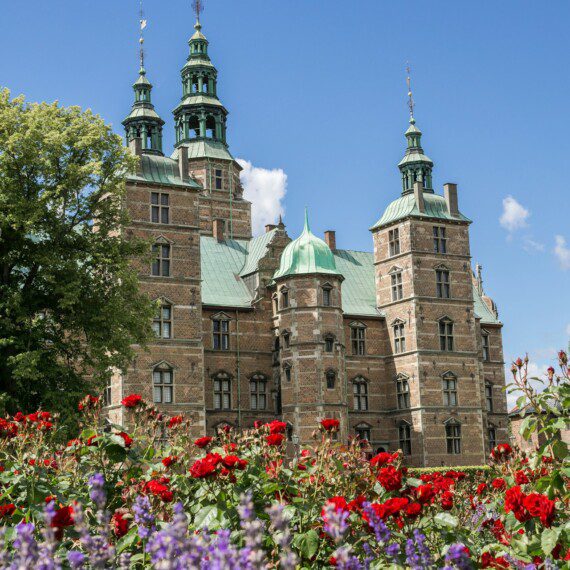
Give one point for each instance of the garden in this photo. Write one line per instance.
(130, 498)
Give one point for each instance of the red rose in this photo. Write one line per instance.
(203, 442)
(521, 478)
(132, 401)
(395, 505)
(446, 501)
(128, 440)
(257, 424)
(498, 483)
(19, 417)
(339, 505)
(275, 439)
(277, 427)
(7, 510)
(489, 561)
(205, 467)
(481, 488)
(175, 421)
(501, 452)
(356, 504)
(514, 501)
(230, 461)
(120, 524)
(425, 493)
(330, 424)
(413, 510)
(390, 478)
(170, 460)
(159, 489)
(540, 506)
(383, 459)
(63, 518)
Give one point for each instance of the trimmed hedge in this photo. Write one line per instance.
(468, 469)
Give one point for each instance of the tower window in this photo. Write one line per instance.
(287, 372)
(405, 436)
(449, 390)
(492, 436)
(358, 339)
(327, 296)
(360, 394)
(222, 391)
(397, 288)
(160, 208)
(286, 340)
(161, 261)
(489, 396)
(442, 284)
(399, 338)
(394, 241)
(284, 297)
(331, 379)
(403, 393)
(486, 351)
(258, 392)
(218, 177)
(162, 385)
(453, 437)
(221, 334)
(162, 323)
(446, 335)
(439, 240)
(329, 343)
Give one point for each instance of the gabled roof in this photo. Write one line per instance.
(482, 311)
(257, 247)
(161, 170)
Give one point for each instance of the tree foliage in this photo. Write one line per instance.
(70, 307)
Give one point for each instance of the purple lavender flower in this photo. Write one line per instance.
(335, 525)
(458, 558)
(143, 516)
(97, 490)
(392, 550)
(253, 529)
(76, 559)
(25, 546)
(381, 531)
(345, 560)
(287, 558)
(418, 556)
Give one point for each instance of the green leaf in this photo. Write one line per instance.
(560, 449)
(307, 543)
(446, 519)
(414, 482)
(116, 453)
(549, 538)
(206, 517)
(128, 540)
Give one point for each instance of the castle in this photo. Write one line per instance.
(401, 344)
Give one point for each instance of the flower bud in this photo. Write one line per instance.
(562, 358)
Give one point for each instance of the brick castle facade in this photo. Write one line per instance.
(401, 344)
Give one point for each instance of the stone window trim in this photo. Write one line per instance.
(403, 391)
(439, 239)
(221, 331)
(453, 436)
(363, 431)
(329, 340)
(159, 208)
(489, 403)
(161, 264)
(442, 282)
(327, 294)
(492, 435)
(163, 323)
(163, 379)
(108, 392)
(358, 338)
(449, 389)
(330, 376)
(258, 383)
(445, 331)
(287, 371)
(486, 347)
(222, 390)
(360, 394)
(396, 283)
(399, 330)
(275, 302)
(394, 242)
(284, 297)
(405, 436)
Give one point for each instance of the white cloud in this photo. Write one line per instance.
(562, 252)
(514, 215)
(531, 246)
(265, 189)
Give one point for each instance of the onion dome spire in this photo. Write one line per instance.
(305, 255)
(415, 166)
(143, 121)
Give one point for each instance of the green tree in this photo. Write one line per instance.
(70, 307)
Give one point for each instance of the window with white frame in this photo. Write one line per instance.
(399, 337)
(405, 437)
(453, 437)
(221, 333)
(161, 260)
(222, 391)
(446, 334)
(403, 392)
(358, 338)
(449, 385)
(439, 239)
(258, 392)
(162, 322)
(394, 241)
(159, 208)
(360, 394)
(162, 384)
(396, 285)
(442, 283)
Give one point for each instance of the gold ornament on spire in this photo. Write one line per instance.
(411, 103)
(143, 23)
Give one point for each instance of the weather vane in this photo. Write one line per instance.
(411, 103)
(198, 6)
(141, 39)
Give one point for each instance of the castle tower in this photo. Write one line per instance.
(424, 287)
(201, 123)
(309, 325)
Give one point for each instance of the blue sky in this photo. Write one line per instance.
(317, 89)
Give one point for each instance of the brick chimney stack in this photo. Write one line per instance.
(269, 227)
(450, 193)
(183, 162)
(419, 196)
(330, 239)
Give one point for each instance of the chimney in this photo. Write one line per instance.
(419, 196)
(135, 146)
(183, 162)
(218, 226)
(330, 239)
(269, 227)
(450, 193)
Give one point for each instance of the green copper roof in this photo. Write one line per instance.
(206, 149)
(307, 254)
(482, 310)
(143, 111)
(405, 206)
(256, 249)
(161, 170)
(201, 100)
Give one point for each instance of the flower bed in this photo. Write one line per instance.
(119, 498)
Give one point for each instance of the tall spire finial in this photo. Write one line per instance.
(307, 227)
(411, 103)
(141, 38)
(198, 6)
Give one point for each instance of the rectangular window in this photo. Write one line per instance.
(358, 340)
(331, 379)
(442, 284)
(446, 335)
(405, 433)
(397, 288)
(327, 297)
(287, 371)
(363, 433)
(329, 344)
(394, 241)
(161, 261)
(403, 389)
(439, 240)
(162, 386)
(284, 298)
(449, 391)
(218, 179)
(360, 393)
(159, 208)
(221, 334)
(486, 351)
(222, 393)
(399, 338)
(286, 340)
(107, 394)
(258, 394)
(489, 396)
(492, 435)
(453, 438)
(162, 323)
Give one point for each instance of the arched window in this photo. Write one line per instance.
(489, 396)
(211, 127)
(405, 437)
(360, 394)
(446, 334)
(162, 322)
(453, 437)
(358, 338)
(403, 392)
(258, 392)
(449, 386)
(193, 127)
(331, 379)
(162, 384)
(222, 391)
